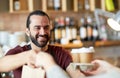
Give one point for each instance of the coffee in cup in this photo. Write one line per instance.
(75, 55)
(86, 55)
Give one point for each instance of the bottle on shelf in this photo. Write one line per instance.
(16, 5)
(52, 39)
(57, 4)
(102, 30)
(103, 33)
(62, 25)
(73, 30)
(64, 39)
(0, 75)
(89, 28)
(7, 75)
(57, 31)
(86, 5)
(89, 20)
(68, 29)
(95, 32)
(82, 29)
(50, 4)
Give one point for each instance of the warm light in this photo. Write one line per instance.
(113, 19)
(113, 24)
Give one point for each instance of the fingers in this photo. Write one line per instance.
(31, 65)
(31, 59)
(96, 61)
(41, 59)
(102, 63)
(100, 66)
(99, 63)
(93, 72)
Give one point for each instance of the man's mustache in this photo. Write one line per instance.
(46, 36)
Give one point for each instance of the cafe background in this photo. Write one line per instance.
(73, 21)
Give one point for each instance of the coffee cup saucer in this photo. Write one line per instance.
(82, 66)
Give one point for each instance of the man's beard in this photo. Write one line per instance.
(42, 44)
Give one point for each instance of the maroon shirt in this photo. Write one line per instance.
(61, 56)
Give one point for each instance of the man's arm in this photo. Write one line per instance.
(52, 70)
(46, 61)
(11, 62)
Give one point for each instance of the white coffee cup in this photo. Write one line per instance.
(86, 55)
(75, 55)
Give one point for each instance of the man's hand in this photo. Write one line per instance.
(31, 59)
(44, 60)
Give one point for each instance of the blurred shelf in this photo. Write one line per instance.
(107, 43)
(70, 45)
(95, 44)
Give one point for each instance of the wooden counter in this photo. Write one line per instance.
(95, 44)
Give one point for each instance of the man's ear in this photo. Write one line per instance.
(51, 25)
(27, 32)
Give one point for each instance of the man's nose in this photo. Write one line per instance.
(42, 31)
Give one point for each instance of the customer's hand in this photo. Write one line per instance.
(44, 60)
(101, 66)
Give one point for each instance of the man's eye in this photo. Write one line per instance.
(47, 27)
(37, 28)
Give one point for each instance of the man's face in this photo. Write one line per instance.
(39, 31)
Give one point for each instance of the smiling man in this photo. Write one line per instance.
(39, 53)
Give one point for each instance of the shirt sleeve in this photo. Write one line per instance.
(16, 50)
(62, 57)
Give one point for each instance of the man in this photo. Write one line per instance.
(38, 30)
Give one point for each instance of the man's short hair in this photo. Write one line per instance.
(36, 12)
